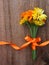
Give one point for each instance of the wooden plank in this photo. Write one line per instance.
(8, 31)
(11, 30)
(3, 53)
(18, 31)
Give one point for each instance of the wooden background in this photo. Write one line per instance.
(11, 30)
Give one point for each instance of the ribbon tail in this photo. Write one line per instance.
(11, 44)
(25, 45)
(44, 43)
(4, 43)
(15, 46)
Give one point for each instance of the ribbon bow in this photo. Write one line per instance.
(34, 43)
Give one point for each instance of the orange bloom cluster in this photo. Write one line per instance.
(27, 14)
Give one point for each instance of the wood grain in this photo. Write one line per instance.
(11, 30)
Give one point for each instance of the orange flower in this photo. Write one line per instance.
(26, 16)
(27, 13)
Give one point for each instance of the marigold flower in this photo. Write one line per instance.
(39, 17)
(35, 16)
(26, 16)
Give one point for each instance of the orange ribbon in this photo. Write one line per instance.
(11, 44)
(33, 41)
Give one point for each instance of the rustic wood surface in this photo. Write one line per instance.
(11, 30)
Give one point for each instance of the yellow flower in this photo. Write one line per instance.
(39, 17)
(23, 20)
(39, 10)
(39, 23)
(42, 17)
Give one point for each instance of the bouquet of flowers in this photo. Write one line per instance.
(33, 19)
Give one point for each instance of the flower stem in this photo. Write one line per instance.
(33, 31)
(34, 54)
